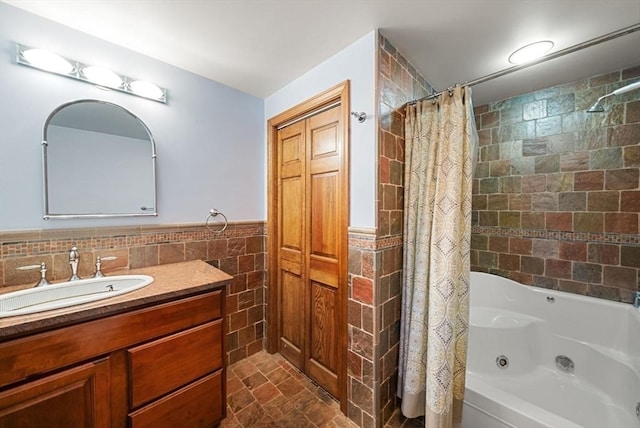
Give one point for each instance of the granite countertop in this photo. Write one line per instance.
(170, 281)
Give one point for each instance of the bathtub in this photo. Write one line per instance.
(516, 334)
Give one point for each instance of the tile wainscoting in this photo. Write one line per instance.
(238, 251)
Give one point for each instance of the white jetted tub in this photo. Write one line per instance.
(542, 358)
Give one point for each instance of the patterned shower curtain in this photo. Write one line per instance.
(440, 140)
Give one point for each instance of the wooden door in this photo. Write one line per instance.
(311, 183)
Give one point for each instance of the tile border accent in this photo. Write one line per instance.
(50, 241)
(613, 238)
(372, 242)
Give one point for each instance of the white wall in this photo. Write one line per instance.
(209, 137)
(357, 64)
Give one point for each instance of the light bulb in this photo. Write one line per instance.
(102, 76)
(47, 61)
(146, 89)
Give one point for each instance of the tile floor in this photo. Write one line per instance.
(264, 390)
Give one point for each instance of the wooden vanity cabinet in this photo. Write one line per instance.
(160, 366)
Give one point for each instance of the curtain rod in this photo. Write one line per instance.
(575, 48)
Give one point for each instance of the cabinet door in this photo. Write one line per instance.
(77, 397)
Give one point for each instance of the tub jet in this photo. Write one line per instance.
(565, 364)
(502, 362)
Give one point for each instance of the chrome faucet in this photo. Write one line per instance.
(74, 259)
(636, 300)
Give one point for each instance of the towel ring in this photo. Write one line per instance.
(214, 213)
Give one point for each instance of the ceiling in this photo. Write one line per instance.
(258, 46)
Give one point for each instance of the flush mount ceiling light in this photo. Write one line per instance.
(100, 76)
(530, 52)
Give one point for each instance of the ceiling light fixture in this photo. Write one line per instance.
(530, 52)
(99, 76)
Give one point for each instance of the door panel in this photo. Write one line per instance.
(324, 215)
(291, 147)
(324, 141)
(323, 356)
(292, 318)
(324, 271)
(291, 214)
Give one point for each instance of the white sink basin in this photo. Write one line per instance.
(61, 295)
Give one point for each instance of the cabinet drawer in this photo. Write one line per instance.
(164, 365)
(197, 405)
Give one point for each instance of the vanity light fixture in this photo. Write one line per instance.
(530, 52)
(99, 76)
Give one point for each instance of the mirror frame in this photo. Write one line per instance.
(153, 211)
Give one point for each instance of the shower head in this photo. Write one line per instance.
(597, 107)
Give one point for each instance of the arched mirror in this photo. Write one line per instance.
(98, 161)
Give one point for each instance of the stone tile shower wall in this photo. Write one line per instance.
(556, 190)
(375, 257)
(239, 251)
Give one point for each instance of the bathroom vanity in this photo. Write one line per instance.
(150, 358)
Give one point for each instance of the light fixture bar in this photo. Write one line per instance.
(101, 77)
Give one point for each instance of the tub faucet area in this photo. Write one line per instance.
(74, 259)
(595, 381)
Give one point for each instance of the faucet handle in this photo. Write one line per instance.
(43, 272)
(99, 261)
(73, 253)
(30, 267)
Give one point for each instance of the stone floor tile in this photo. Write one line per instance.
(266, 392)
(289, 387)
(254, 381)
(244, 368)
(250, 415)
(234, 385)
(266, 366)
(239, 400)
(278, 375)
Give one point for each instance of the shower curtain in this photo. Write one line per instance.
(440, 143)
